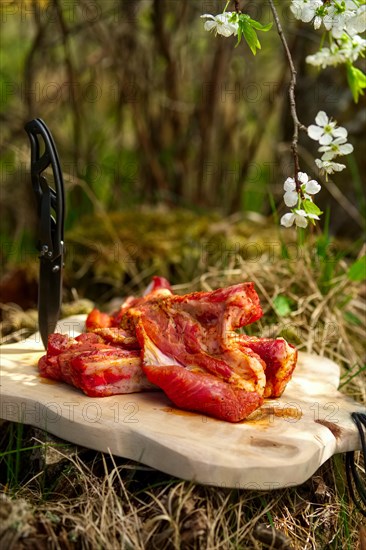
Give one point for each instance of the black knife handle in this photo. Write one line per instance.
(50, 202)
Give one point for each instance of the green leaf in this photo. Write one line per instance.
(357, 271)
(250, 36)
(239, 36)
(311, 208)
(256, 25)
(281, 305)
(356, 81)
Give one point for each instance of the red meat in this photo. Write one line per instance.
(280, 359)
(186, 345)
(96, 367)
(97, 319)
(187, 354)
(205, 393)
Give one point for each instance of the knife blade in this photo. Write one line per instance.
(51, 214)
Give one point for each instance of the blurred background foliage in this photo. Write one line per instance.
(172, 142)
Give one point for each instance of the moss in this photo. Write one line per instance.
(126, 248)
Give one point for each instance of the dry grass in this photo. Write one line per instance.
(326, 321)
(102, 502)
(75, 498)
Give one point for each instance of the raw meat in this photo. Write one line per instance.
(186, 345)
(97, 368)
(186, 353)
(190, 331)
(205, 393)
(280, 359)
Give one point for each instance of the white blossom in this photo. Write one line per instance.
(352, 48)
(297, 216)
(346, 16)
(337, 147)
(291, 196)
(325, 130)
(321, 17)
(305, 10)
(340, 51)
(311, 187)
(220, 24)
(357, 23)
(326, 57)
(329, 167)
(337, 17)
(308, 187)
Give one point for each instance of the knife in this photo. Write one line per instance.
(51, 215)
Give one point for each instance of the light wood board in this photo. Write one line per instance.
(282, 444)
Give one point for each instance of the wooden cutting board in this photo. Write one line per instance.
(282, 444)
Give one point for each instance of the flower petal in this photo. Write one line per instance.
(303, 177)
(287, 219)
(307, 14)
(207, 16)
(345, 149)
(289, 184)
(357, 24)
(315, 132)
(210, 25)
(321, 118)
(312, 187)
(329, 155)
(301, 221)
(336, 166)
(340, 132)
(329, 167)
(291, 198)
(339, 140)
(226, 30)
(326, 139)
(327, 23)
(317, 22)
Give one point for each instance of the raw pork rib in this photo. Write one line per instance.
(95, 367)
(185, 352)
(280, 359)
(185, 345)
(105, 361)
(191, 331)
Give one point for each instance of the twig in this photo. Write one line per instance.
(297, 124)
(72, 80)
(29, 64)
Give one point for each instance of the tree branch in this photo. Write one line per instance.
(297, 124)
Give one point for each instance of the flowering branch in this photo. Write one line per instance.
(297, 124)
(342, 20)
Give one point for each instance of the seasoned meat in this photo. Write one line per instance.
(97, 368)
(280, 359)
(186, 345)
